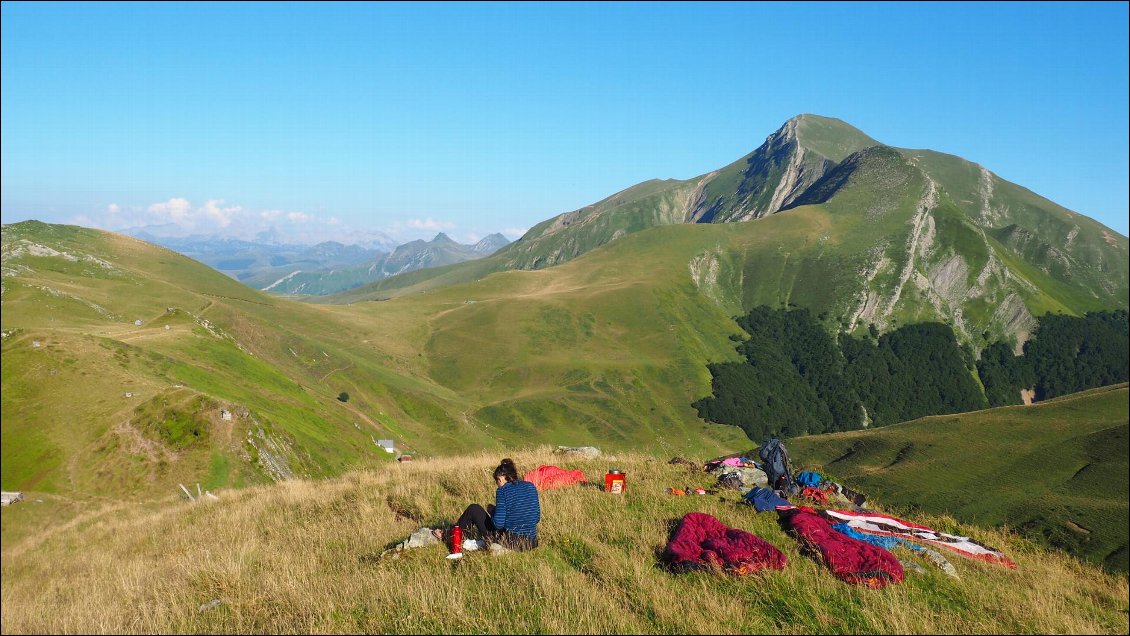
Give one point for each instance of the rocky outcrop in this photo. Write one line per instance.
(1014, 317)
(583, 452)
(921, 218)
(772, 178)
(706, 270)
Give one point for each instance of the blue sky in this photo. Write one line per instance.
(333, 121)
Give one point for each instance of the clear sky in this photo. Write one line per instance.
(331, 121)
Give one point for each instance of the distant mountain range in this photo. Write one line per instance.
(368, 239)
(325, 268)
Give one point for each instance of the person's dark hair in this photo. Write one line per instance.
(506, 469)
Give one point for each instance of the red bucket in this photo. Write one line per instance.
(614, 481)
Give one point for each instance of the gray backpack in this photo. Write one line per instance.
(776, 464)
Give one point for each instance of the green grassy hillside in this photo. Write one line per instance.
(90, 398)
(77, 369)
(875, 242)
(912, 236)
(609, 348)
(535, 355)
(569, 235)
(305, 557)
(1055, 471)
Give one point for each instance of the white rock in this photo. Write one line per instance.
(587, 452)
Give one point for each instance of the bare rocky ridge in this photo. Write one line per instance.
(773, 177)
(919, 239)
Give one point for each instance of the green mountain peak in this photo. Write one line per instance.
(896, 236)
(830, 137)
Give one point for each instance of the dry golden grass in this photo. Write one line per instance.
(305, 557)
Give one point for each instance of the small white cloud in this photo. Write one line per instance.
(176, 210)
(514, 233)
(429, 224)
(177, 216)
(215, 211)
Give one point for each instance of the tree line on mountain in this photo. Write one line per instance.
(797, 378)
(1066, 354)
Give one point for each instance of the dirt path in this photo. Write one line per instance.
(361, 416)
(333, 371)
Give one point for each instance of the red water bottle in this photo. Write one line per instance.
(456, 543)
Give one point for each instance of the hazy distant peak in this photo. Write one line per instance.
(490, 244)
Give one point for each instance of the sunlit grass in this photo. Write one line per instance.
(305, 556)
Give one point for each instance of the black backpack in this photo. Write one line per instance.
(776, 464)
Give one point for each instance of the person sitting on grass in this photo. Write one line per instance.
(513, 519)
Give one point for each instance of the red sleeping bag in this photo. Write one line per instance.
(549, 477)
(849, 559)
(702, 542)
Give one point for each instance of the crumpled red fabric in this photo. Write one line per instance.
(815, 494)
(849, 559)
(549, 477)
(703, 542)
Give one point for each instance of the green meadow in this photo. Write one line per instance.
(310, 557)
(1054, 471)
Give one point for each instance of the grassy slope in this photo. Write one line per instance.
(832, 138)
(1055, 471)
(609, 348)
(985, 248)
(960, 274)
(1077, 252)
(543, 350)
(645, 205)
(305, 557)
(547, 352)
(576, 350)
(285, 362)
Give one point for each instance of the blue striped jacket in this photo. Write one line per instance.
(517, 509)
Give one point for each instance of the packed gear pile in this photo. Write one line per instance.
(855, 544)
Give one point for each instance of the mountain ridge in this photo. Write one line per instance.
(611, 345)
(927, 247)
